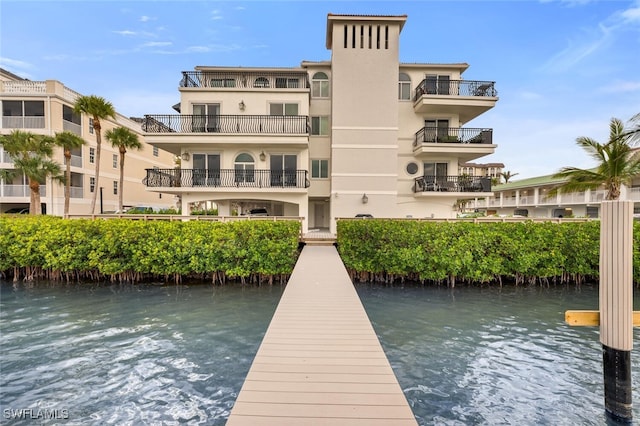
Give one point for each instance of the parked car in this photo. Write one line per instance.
(258, 212)
(18, 210)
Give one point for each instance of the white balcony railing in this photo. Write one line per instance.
(22, 122)
(72, 127)
(19, 191)
(634, 194)
(76, 192)
(76, 160)
(5, 157)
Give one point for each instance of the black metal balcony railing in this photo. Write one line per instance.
(455, 88)
(452, 184)
(226, 178)
(453, 135)
(239, 124)
(244, 80)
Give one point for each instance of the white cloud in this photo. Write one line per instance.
(621, 87)
(157, 44)
(530, 96)
(14, 63)
(145, 18)
(592, 40)
(125, 32)
(216, 15)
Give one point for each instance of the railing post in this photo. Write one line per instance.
(616, 306)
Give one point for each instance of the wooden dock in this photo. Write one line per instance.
(320, 362)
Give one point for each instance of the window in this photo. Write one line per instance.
(206, 169)
(404, 87)
(284, 82)
(92, 184)
(438, 131)
(155, 151)
(244, 168)
(261, 82)
(437, 84)
(68, 114)
(320, 85)
(206, 118)
(435, 169)
(319, 169)
(115, 161)
(92, 155)
(91, 125)
(283, 169)
(283, 109)
(115, 187)
(223, 82)
(320, 126)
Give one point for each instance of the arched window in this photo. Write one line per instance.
(320, 85)
(244, 169)
(261, 82)
(404, 87)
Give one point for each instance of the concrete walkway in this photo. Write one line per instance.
(320, 362)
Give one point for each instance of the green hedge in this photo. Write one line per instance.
(136, 250)
(450, 252)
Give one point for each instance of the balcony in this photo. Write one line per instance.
(466, 143)
(254, 79)
(465, 98)
(227, 124)
(448, 184)
(226, 178)
(74, 128)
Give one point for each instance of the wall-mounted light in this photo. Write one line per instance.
(365, 199)
(185, 156)
(241, 105)
(263, 156)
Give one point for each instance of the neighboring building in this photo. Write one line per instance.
(46, 107)
(359, 134)
(493, 170)
(530, 198)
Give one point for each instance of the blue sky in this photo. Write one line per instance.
(563, 68)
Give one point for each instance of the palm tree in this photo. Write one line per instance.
(123, 139)
(68, 141)
(618, 163)
(31, 155)
(99, 109)
(508, 175)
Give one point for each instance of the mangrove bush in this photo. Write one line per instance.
(135, 250)
(386, 250)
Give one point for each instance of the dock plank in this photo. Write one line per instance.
(320, 362)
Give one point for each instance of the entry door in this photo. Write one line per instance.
(283, 169)
(318, 215)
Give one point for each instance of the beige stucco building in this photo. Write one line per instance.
(361, 133)
(534, 197)
(46, 107)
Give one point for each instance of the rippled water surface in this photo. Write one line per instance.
(494, 356)
(130, 355)
(178, 355)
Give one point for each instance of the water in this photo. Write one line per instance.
(178, 355)
(494, 356)
(130, 355)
